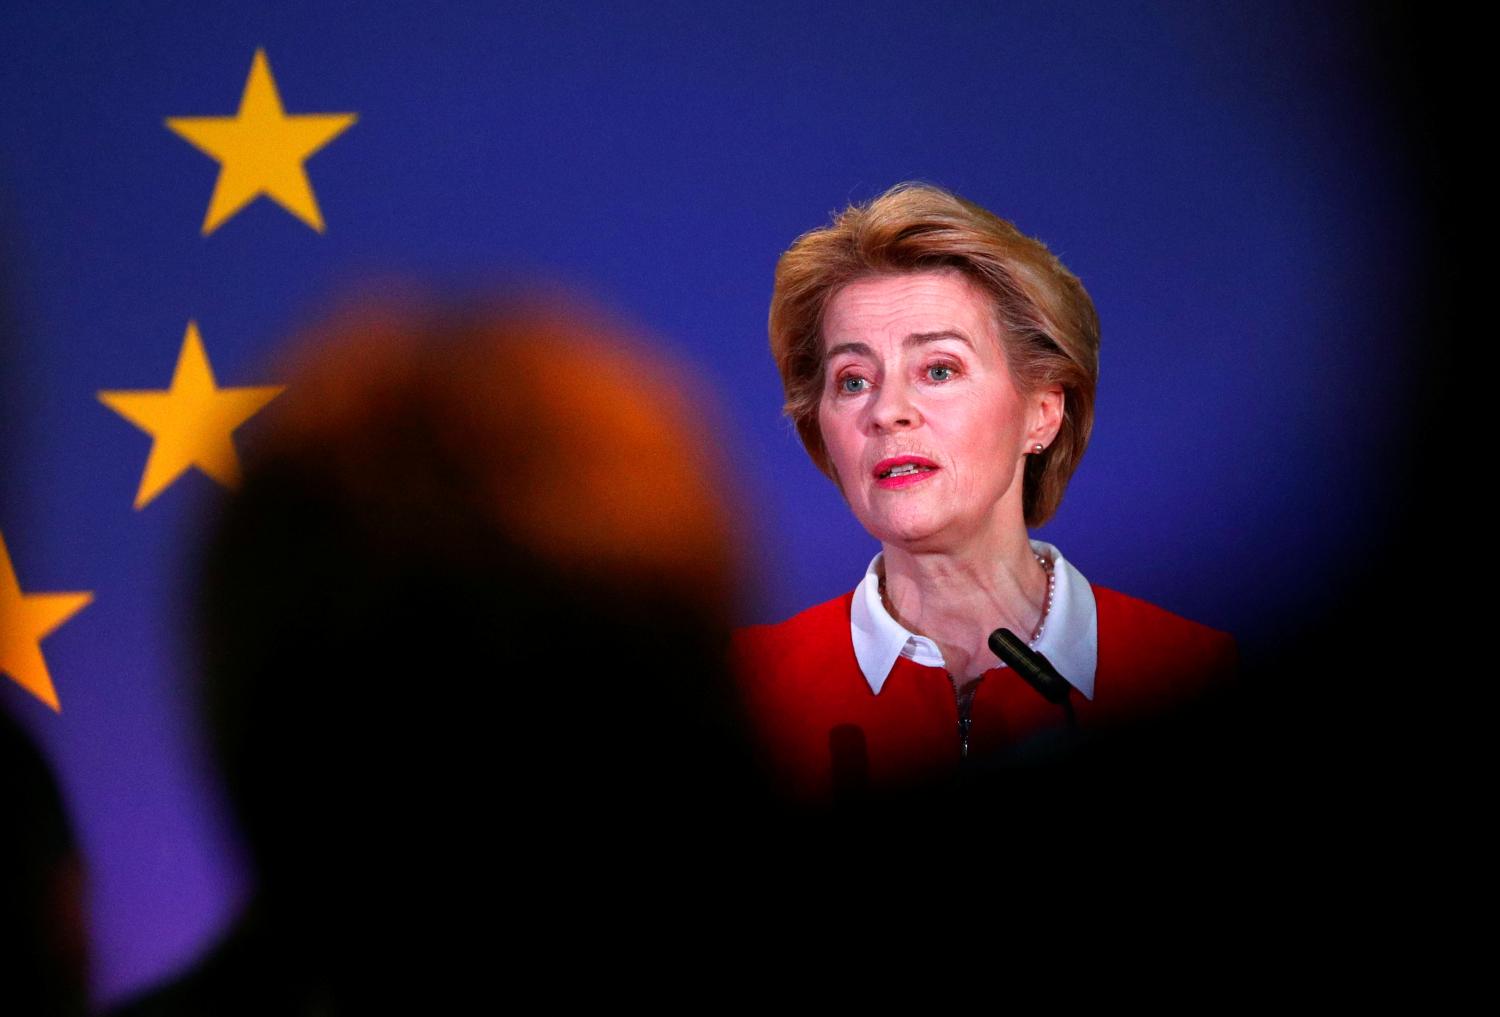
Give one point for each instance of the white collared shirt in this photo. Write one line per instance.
(1070, 637)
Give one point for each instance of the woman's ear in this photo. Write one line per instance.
(1048, 405)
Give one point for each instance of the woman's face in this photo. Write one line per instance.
(924, 427)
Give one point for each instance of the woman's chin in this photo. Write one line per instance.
(936, 532)
(910, 534)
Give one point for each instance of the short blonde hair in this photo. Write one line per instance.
(1048, 327)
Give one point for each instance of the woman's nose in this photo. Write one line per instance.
(894, 408)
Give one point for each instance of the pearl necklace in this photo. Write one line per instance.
(1041, 623)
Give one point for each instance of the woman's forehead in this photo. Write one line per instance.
(896, 307)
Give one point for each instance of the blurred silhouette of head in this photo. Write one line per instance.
(463, 624)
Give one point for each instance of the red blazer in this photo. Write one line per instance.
(814, 714)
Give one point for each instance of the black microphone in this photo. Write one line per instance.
(1031, 665)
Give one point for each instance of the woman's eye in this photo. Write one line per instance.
(852, 384)
(940, 372)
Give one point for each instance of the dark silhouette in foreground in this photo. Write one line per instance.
(462, 638)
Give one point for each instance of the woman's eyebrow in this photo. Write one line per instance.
(915, 339)
(860, 349)
(921, 338)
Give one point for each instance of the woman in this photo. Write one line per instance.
(940, 368)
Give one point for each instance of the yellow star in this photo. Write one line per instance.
(191, 422)
(25, 620)
(261, 150)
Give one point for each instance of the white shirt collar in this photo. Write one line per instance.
(1070, 638)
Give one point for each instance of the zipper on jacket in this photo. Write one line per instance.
(965, 713)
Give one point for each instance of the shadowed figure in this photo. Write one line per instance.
(462, 634)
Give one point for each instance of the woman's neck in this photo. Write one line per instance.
(957, 599)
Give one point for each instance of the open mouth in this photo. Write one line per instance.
(903, 467)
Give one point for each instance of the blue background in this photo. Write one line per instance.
(1232, 182)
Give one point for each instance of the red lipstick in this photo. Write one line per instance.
(903, 471)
